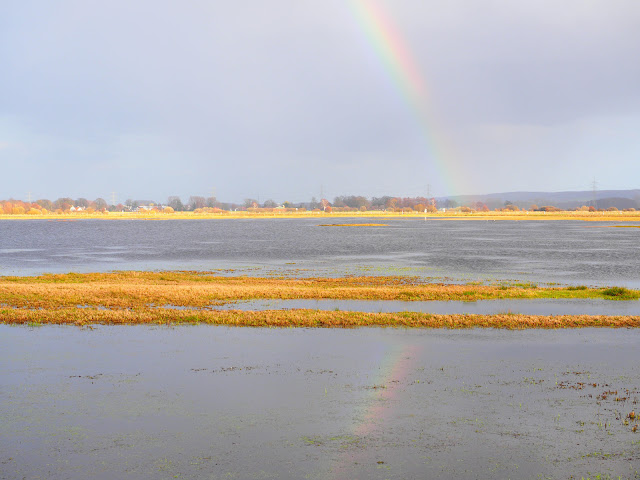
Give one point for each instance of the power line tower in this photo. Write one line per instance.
(113, 198)
(29, 196)
(594, 187)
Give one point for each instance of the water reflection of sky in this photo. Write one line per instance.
(218, 402)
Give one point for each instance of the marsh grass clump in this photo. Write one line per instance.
(578, 287)
(620, 293)
(408, 295)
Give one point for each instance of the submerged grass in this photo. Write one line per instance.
(201, 289)
(308, 318)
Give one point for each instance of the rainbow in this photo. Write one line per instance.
(394, 369)
(401, 66)
(396, 365)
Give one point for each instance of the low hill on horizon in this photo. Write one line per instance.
(565, 200)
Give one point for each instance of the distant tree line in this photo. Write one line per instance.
(344, 203)
(61, 205)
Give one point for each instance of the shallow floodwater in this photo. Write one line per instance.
(541, 306)
(215, 402)
(568, 252)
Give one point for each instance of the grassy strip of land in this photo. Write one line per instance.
(354, 225)
(202, 289)
(306, 318)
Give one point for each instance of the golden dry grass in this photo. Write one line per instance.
(201, 289)
(354, 225)
(308, 319)
(139, 297)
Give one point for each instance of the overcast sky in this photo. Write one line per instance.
(278, 99)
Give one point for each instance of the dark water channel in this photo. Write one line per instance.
(213, 402)
(567, 252)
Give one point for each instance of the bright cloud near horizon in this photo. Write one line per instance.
(281, 99)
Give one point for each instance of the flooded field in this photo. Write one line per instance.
(565, 252)
(208, 401)
(216, 402)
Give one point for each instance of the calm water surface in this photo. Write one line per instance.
(542, 306)
(143, 402)
(568, 252)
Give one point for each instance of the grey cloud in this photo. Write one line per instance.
(290, 86)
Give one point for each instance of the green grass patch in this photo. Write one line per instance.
(620, 293)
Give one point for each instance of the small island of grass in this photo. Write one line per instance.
(354, 225)
(152, 297)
